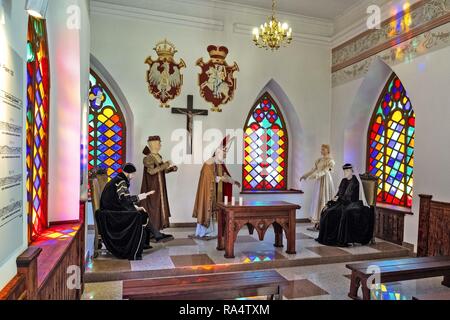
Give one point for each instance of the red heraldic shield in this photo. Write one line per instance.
(216, 81)
(164, 77)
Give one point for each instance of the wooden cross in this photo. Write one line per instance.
(190, 112)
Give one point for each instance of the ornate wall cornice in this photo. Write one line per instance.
(423, 44)
(407, 34)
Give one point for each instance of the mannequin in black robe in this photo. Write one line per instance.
(331, 217)
(346, 219)
(121, 223)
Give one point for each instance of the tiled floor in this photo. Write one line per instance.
(318, 282)
(184, 256)
(315, 272)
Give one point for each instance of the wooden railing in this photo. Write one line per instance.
(51, 271)
(434, 228)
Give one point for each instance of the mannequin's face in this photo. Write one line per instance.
(130, 176)
(155, 146)
(324, 152)
(348, 173)
(220, 155)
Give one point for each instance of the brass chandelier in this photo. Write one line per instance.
(272, 34)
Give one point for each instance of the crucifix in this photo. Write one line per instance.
(190, 112)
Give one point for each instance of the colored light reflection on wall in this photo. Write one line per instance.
(403, 21)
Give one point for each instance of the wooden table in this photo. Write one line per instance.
(259, 216)
(398, 270)
(207, 287)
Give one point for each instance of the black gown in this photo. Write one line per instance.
(121, 226)
(330, 232)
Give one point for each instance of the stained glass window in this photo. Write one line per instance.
(38, 91)
(265, 148)
(107, 130)
(391, 145)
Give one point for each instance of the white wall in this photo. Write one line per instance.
(302, 71)
(67, 47)
(426, 79)
(14, 33)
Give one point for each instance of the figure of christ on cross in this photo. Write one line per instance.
(190, 112)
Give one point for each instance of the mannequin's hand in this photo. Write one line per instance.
(237, 184)
(302, 178)
(174, 169)
(150, 193)
(141, 209)
(218, 179)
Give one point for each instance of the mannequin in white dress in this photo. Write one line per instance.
(324, 188)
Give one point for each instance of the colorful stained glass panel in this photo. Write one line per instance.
(107, 131)
(37, 118)
(391, 145)
(265, 148)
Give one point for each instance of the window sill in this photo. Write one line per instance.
(291, 191)
(398, 209)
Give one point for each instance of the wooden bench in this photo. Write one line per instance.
(207, 287)
(398, 270)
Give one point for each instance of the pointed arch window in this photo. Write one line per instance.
(107, 129)
(390, 152)
(265, 148)
(37, 126)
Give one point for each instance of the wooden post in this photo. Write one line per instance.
(292, 232)
(278, 235)
(424, 221)
(229, 235)
(220, 227)
(27, 267)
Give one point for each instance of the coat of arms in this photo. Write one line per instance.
(216, 81)
(164, 76)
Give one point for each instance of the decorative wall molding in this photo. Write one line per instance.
(102, 8)
(422, 44)
(313, 28)
(421, 18)
(246, 29)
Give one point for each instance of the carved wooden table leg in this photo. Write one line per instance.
(365, 289)
(220, 229)
(278, 235)
(354, 286)
(446, 281)
(251, 229)
(229, 236)
(292, 233)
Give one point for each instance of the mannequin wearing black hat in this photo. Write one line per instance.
(154, 178)
(122, 224)
(331, 216)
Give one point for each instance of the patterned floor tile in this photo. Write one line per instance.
(191, 260)
(302, 289)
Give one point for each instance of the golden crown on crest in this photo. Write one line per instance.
(165, 49)
(219, 53)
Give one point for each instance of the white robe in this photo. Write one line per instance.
(324, 190)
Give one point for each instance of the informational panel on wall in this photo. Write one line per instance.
(11, 153)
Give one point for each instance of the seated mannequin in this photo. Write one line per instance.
(121, 223)
(332, 231)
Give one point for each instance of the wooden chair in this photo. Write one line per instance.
(97, 183)
(370, 186)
